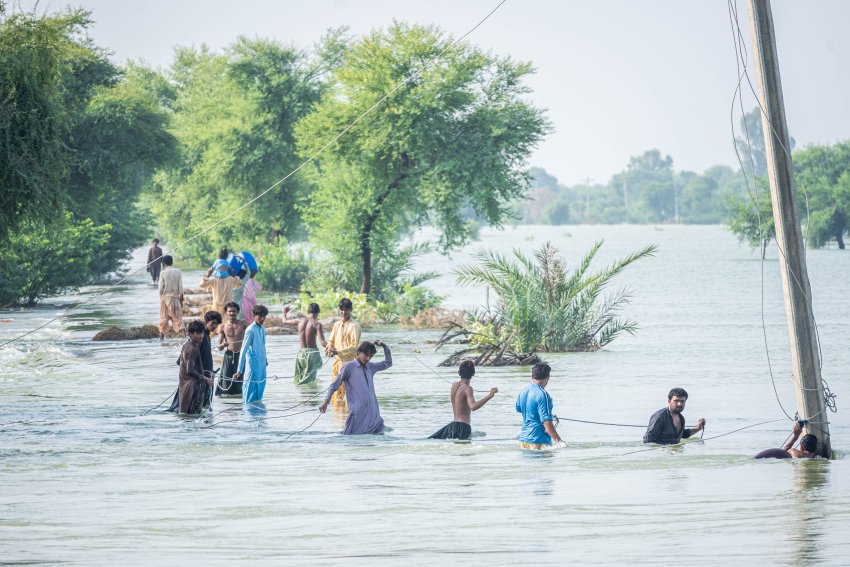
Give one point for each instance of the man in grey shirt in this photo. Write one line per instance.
(364, 415)
(667, 425)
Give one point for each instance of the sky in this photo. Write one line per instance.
(617, 77)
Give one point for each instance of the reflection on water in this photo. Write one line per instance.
(88, 477)
(811, 480)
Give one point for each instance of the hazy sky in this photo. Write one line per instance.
(618, 77)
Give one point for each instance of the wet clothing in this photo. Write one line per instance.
(364, 415)
(222, 290)
(535, 405)
(454, 430)
(345, 338)
(661, 429)
(239, 297)
(307, 365)
(228, 369)
(170, 304)
(192, 384)
(252, 362)
(773, 454)
(207, 364)
(154, 262)
(249, 297)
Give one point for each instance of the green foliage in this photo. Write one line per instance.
(234, 117)
(283, 268)
(408, 302)
(822, 176)
(543, 306)
(752, 219)
(364, 311)
(33, 154)
(398, 306)
(49, 257)
(391, 271)
(455, 134)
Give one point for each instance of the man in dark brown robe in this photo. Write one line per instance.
(193, 382)
(154, 260)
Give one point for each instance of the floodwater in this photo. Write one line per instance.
(86, 478)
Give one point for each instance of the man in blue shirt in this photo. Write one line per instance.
(535, 405)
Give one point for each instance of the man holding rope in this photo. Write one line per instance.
(667, 425)
(463, 404)
(308, 361)
(535, 405)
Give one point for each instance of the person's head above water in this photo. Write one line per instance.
(809, 443)
(313, 308)
(466, 369)
(167, 260)
(676, 399)
(540, 372)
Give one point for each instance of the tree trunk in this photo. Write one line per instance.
(366, 259)
(840, 238)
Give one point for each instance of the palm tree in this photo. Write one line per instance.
(543, 306)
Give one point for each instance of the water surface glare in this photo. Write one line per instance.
(87, 479)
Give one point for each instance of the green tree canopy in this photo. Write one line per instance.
(234, 119)
(455, 134)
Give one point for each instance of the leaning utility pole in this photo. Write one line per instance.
(789, 238)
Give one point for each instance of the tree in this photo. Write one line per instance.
(48, 256)
(457, 133)
(234, 118)
(751, 220)
(822, 175)
(750, 144)
(33, 154)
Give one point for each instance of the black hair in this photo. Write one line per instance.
(677, 393)
(367, 348)
(261, 310)
(167, 260)
(345, 303)
(223, 253)
(156, 240)
(212, 316)
(809, 443)
(313, 308)
(540, 371)
(232, 304)
(196, 326)
(467, 369)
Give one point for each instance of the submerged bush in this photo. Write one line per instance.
(543, 306)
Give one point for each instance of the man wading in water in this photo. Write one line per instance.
(309, 359)
(463, 404)
(230, 336)
(667, 425)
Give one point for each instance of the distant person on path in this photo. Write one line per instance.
(808, 446)
(359, 374)
(244, 276)
(343, 342)
(667, 425)
(230, 336)
(463, 404)
(193, 383)
(249, 294)
(535, 405)
(170, 297)
(154, 260)
(309, 359)
(252, 360)
(212, 319)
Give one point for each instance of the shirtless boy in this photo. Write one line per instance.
(309, 359)
(230, 336)
(463, 404)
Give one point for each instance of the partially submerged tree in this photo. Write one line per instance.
(822, 175)
(543, 306)
(455, 134)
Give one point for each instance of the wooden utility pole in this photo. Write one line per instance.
(789, 238)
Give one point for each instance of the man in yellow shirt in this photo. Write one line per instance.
(343, 342)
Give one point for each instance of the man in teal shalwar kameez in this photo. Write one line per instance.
(252, 360)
